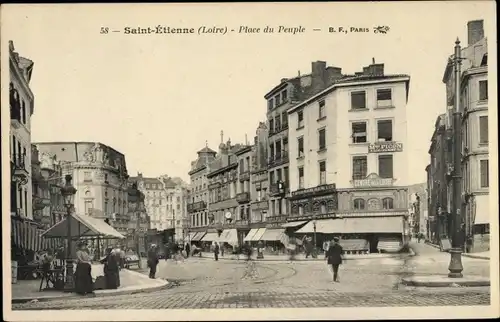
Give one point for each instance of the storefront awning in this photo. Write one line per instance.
(482, 214)
(250, 234)
(355, 225)
(258, 234)
(82, 226)
(294, 223)
(191, 235)
(273, 235)
(26, 235)
(229, 236)
(211, 237)
(198, 236)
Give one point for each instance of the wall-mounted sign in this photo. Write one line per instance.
(323, 189)
(378, 147)
(373, 180)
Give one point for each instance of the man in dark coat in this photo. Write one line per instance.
(188, 249)
(152, 261)
(216, 251)
(334, 256)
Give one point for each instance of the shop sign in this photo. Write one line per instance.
(373, 180)
(316, 190)
(378, 147)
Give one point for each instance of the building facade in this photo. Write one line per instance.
(350, 161)
(21, 100)
(259, 178)
(165, 202)
(198, 199)
(99, 175)
(281, 98)
(475, 135)
(417, 199)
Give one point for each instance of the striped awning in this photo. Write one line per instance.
(250, 234)
(273, 235)
(198, 236)
(27, 235)
(294, 223)
(82, 226)
(210, 237)
(229, 236)
(258, 234)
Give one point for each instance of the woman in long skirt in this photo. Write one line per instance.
(111, 269)
(83, 277)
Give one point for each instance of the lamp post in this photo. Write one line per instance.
(455, 266)
(314, 237)
(68, 192)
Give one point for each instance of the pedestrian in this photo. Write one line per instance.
(419, 236)
(111, 269)
(152, 261)
(188, 250)
(83, 277)
(216, 251)
(334, 257)
(222, 249)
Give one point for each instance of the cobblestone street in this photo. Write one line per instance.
(205, 283)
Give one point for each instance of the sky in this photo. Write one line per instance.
(158, 98)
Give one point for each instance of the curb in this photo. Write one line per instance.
(410, 281)
(165, 285)
(476, 256)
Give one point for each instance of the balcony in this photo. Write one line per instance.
(260, 205)
(40, 203)
(277, 189)
(278, 159)
(19, 168)
(196, 206)
(15, 112)
(243, 197)
(244, 176)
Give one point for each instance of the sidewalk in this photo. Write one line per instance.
(430, 269)
(131, 282)
(480, 255)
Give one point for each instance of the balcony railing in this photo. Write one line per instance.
(278, 159)
(196, 206)
(274, 189)
(243, 197)
(244, 176)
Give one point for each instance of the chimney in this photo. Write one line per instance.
(318, 75)
(333, 73)
(475, 31)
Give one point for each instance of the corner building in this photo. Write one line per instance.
(349, 161)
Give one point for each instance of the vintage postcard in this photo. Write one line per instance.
(249, 161)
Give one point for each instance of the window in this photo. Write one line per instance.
(322, 109)
(271, 125)
(384, 129)
(359, 167)
(483, 129)
(301, 177)
(270, 104)
(300, 117)
(277, 100)
(300, 144)
(388, 203)
(284, 96)
(271, 177)
(483, 90)
(271, 151)
(358, 100)
(485, 180)
(284, 119)
(359, 132)
(23, 112)
(322, 172)
(285, 172)
(277, 123)
(242, 166)
(106, 177)
(322, 139)
(359, 204)
(89, 205)
(384, 98)
(278, 150)
(385, 166)
(159, 202)
(87, 176)
(285, 146)
(106, 210)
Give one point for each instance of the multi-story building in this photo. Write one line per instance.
(164, 203)
(197, 206)
(279, 100)
(99, 175)
(259, 178)
(438, 181)
(417, 200)
(139, 221)
(349, 160)
(21, 110)
(225, 222)
(475, 136)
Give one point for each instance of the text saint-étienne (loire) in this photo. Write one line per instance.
(157, 30)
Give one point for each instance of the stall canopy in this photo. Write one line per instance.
(82, 226)
(273, 235)
(482, 216)
(355, 225)
(258, 234)
(229, 236)
(211, 237)
(198, 236)
(251, 234)
(26, 235)
(294, 224)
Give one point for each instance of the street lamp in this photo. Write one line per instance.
(314, 226)
(68, 192)
(455, 266)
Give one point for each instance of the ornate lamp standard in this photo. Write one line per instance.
(68, 192)
(314, 254)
